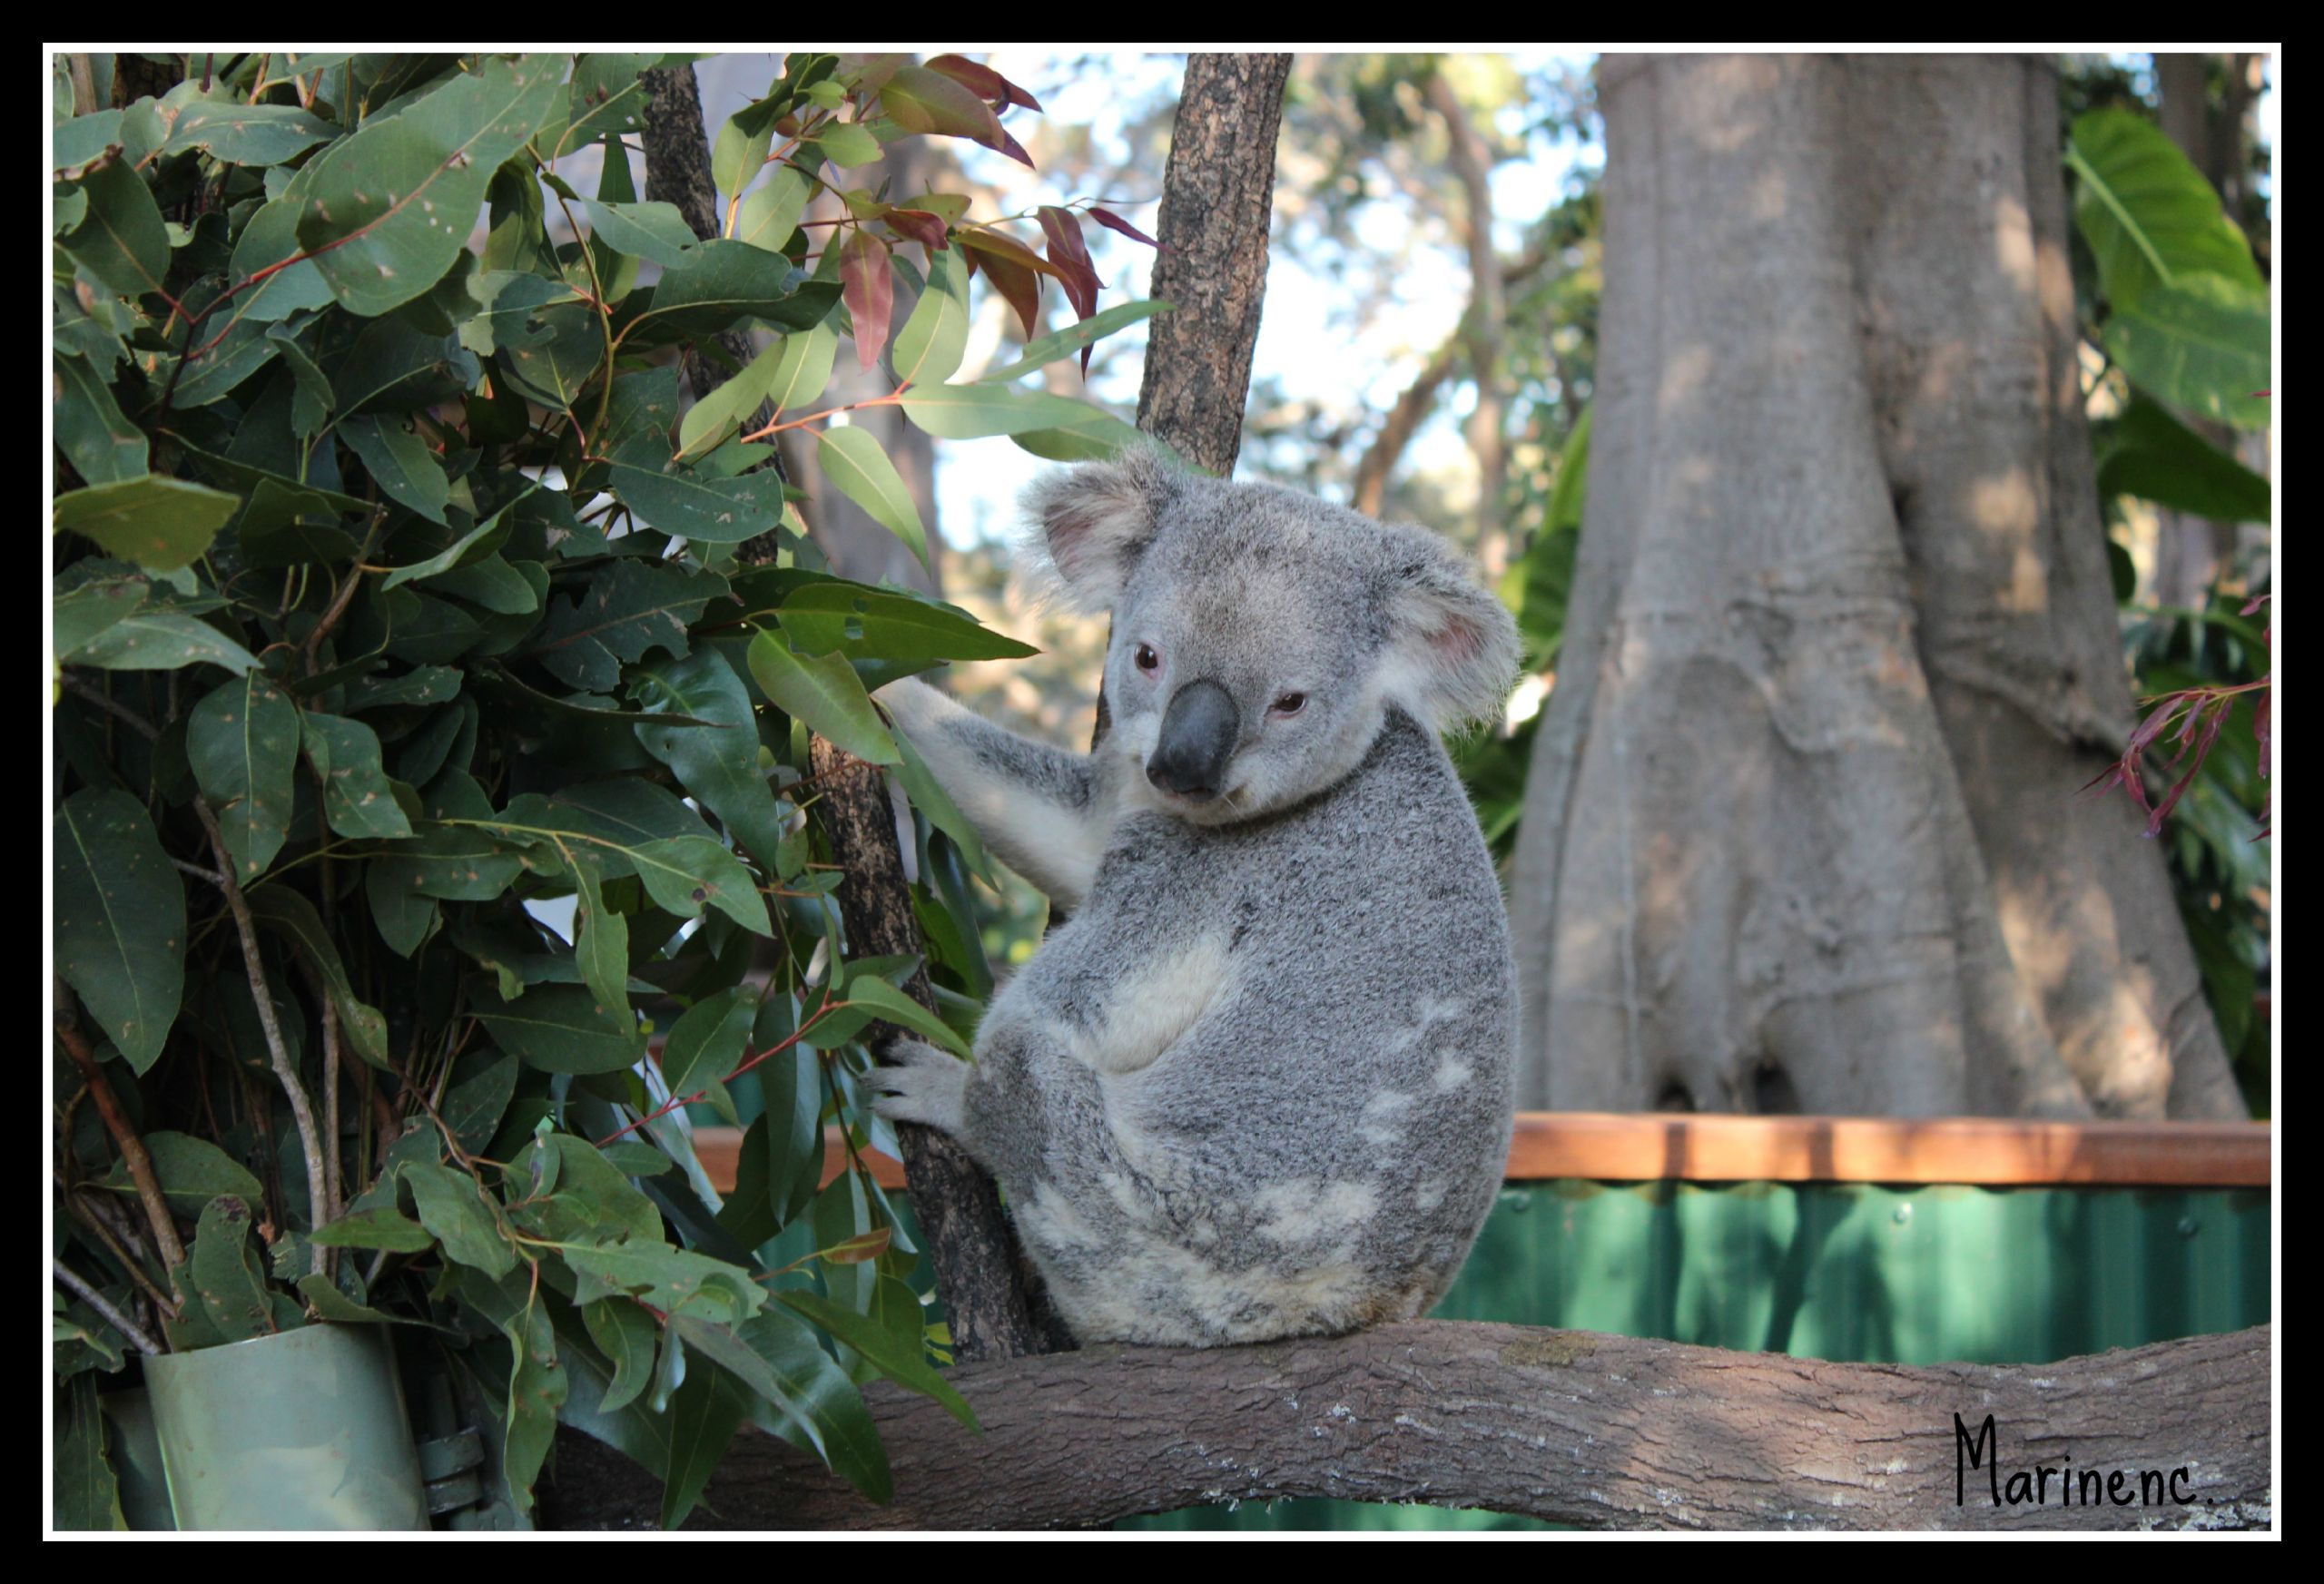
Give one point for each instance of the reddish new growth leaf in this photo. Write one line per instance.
(1112, 221)
(926, 229)
(982, 81)
(919, 100)
(868, 286)
(1070, 257)
(1014, 272)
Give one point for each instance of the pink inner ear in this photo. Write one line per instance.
(1459, 640)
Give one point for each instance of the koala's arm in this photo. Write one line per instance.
(1041, 809)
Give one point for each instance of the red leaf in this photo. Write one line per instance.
(1112, 221)
(1071, 255)
(998, 245)
(919, 100)
(926, 229)
(982, 81)
(1019, 286)
(868, 286)
(2260, 726)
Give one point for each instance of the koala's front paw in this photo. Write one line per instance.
(919, 1083)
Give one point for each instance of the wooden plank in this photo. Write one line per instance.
(1700, 1148)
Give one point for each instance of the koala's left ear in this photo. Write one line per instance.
(1097, 519)
(1454, 649)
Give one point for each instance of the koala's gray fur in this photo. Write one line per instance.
(1259, 1084)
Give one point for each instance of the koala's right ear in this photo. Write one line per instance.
(1097, 519)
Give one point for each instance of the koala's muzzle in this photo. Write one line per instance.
(1198, 738)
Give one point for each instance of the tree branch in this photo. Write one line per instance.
(1605, 1432)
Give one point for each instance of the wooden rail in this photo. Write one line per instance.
(1700, 1148)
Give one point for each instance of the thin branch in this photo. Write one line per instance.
(124, 1136)
(286, 1071)
(96, 1301)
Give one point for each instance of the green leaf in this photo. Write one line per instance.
(708, 1041)
(671, 1279)
(118, 920)
(226, 1280)
(160, 640)
(386, 211)
(1057, 344)
(85, 1496)
(646, 230)
(928, 796)
(121, 240)
(2152, 455)
(2200, 344)
(237, 133)
(84, 140)
(683, 874)
(854, 460)
(704, 1413)
(1096, 437)
(243, 741)
(455, 1209)
(825, 692)
(380, 1227)
(683, 503)
(966, 412)
(741, 146)
(161, 524)
(630, 608)
(560, 1029)
(102, 444)
(401, 463)
(716, 417)
(357, 799)
(722, 282)
(77, 616)
(804, 368)
(600, 941)
(537, 1387)
(625, 1335)
(867, 624)
(847, 145)
(929, 347)
(2149, 215)
(718, 768)
(192, 1172)
(294, 916)
(770, 214)
(907, 1366)
(331, 1304)
(475, 1105)
(891, 1004)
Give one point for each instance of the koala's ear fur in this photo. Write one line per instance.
(1096, 519)
(1454, 649)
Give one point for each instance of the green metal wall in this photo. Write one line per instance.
(1840, 1271)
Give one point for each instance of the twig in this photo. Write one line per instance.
(95, 1299)
(301, 1110)
(123, 1248)
(124, 1136)
(127, 716)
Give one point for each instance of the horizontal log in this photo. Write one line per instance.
(1603, 1431)
(1697, 1147)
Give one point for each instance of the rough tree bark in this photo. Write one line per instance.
(1800, 830)
(989, 1289)
(1605, 1432)
(1217, 195)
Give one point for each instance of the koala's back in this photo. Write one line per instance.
(1303, 1027)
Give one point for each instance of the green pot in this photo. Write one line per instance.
(305, 1430)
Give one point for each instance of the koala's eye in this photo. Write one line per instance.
(1289, 703)
(1148, 660)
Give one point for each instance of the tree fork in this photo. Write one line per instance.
(1576, 1427)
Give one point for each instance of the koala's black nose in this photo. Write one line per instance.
(1198, 733)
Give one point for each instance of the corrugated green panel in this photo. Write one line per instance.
(1841, 1271)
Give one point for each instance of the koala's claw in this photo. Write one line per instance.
(919, 1083)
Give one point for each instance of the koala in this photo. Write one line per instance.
(1259, 1084)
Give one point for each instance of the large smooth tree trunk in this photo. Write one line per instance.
(1802, 832)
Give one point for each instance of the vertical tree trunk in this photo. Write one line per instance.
(1800, 832)
(1217, 195)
